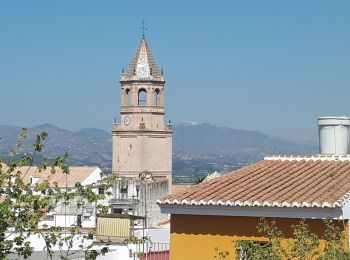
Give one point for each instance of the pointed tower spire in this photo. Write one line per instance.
(142, 66)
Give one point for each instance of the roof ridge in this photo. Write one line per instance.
(322, 157)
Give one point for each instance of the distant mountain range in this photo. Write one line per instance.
(88, 146)
(193, 144)
(205, 139)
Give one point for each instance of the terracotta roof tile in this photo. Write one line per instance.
(76, 174)
(290, 182)
(178, 187)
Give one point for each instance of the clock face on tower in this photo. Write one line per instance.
(127, 120)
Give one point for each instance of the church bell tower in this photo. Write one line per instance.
(142, 143)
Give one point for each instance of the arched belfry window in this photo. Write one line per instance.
(156, 97)
(128, 97)
(142, 98)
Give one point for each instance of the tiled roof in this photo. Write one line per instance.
(142, 66)
(178, 187)
(275, 182)
(76, 174)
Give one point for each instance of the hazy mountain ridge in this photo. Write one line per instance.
(88, 146)
(206, 139)
(208, 144)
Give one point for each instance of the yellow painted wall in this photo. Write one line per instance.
(195, 237)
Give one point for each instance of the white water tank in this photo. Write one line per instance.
(334, 135)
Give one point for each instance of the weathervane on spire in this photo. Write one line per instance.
(144, 28)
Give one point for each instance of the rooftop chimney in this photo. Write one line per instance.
(334, 135)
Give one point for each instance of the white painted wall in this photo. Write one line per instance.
(94, 177)
(70, 218)
(116, 252)
(156, 235)
(38, 243)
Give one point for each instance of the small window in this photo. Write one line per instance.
(101, 191)
(117, 211)
(123, 190)
(156, 98)
(128, 96)
(79, 220)
(142, 100)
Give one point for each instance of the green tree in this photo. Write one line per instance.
(334, 237)
(305, 244)
(21, 211)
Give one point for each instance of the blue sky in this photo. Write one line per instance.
(273, 66)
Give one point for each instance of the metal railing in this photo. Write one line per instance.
(152, 251)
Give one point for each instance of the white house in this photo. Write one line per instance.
(66, 214)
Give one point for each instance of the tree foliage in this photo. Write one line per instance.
(304, 245)
(21, 210)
